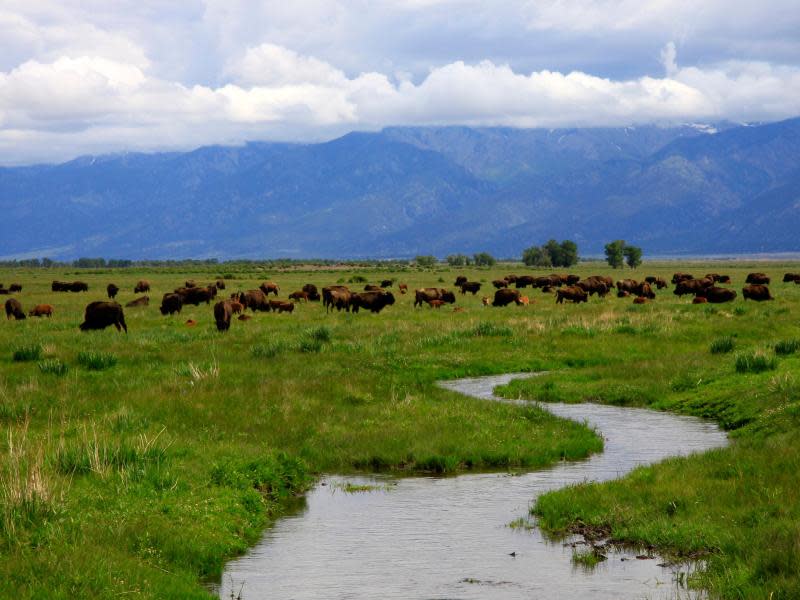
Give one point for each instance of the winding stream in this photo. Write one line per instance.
(448, 537)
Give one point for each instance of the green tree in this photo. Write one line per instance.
(426, 261)
(551, 254)
(633, 256)
(536, 256)
(615, 253)
(553, 248)
(483, 259)
(569, 253)
(458, 260)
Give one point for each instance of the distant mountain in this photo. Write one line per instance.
(405, 191)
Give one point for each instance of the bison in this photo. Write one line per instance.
(759, 293)
(500, 283)
(758, 278)
(403, 287)
(372, 301)
(220, 283)
(436, 303)
(270, 287)
(336, 296)
(143, 301)
(100, 315)
(196, 295)
(678, 277)
(371, 287)
(423, 295)
(692, 286)
(14, 287)
(222, 315)
(14, 309)
(171, 304)
(41, 310)
(787, 277)
(460, 280)
(717, 295)
(281, 306)
(299, 295)
(386, 283)
(141, 286)
(506, 296)
(255, 300)
(523, 281)
(470, 286)
(572, 293)
(643, 290)
(311, 290)
(112, 290)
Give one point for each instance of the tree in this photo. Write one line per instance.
(458, 260)
(633, 256)
(536, 256)
(615, 253)
(551, 254)
(569, 253)
(483, 259)
(426, 261)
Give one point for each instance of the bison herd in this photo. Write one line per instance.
(374, 298)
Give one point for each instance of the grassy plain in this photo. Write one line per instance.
(136, 464)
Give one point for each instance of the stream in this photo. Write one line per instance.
(449, 537)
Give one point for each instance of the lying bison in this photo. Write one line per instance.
(573, 293)
(41, 310)
(756, 292)
(15, 287)
(281, 306)
(14, 309)
(506, 296)
(171, 304)
(143, 301)
(100, 315)
(759, 278)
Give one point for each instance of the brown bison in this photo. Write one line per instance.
(41, 310)
(787, 277)
(759, 293)
(573, 293)
(244, 317)
(461, 279)
(100, 315)
(78, 286)
(190, 283)
(510, 278)
(336, 296)
(14, 309)
(14, 287)
(572, 279)
(373, 301)
(403, 287)
(678, 277)
(299, 295)
(236, 307)
(717, 295)
(143, 301)
(371, 287)
(692, 286)
(112, 290)
(549, 281)
(196, 295)
(222, 315)
(281, 306)
(436, 303)
(59, 286)
(423, 295)
(506, 296)
(142, 286)
(270, 287)
(626, 285)
(595, 285)
(311, 290)
(171, 304)
(255, 300)
(500, 283)
(470, 286)
(759, 278)
(523, 281)
(699, 300)
(220, 283)
(643, 290)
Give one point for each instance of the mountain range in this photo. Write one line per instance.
(690, 189)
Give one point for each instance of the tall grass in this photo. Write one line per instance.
(755, 361)
(96, 361)
(26, 353)
(722, 345)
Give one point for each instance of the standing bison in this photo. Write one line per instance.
(100, 315)
(171, 304)
(759, 293)
(470, 286)
(425, 295)
(270, 287)
(372, 301)
(141, 286)
(572, 293)
(505, 296)
(222, 314)
(112, 290)
(14, 309)
(759, 278)
(41, 310)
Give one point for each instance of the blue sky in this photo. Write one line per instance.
(91, 76)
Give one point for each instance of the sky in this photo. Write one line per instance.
(82, 77)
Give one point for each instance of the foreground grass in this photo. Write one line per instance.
(136, 464)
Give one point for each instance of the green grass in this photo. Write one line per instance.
(96, 361)
(785, 347)
(755, 361)
(29, 352)
(723, 345)
(243, 422)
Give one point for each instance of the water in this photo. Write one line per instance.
(448, 537)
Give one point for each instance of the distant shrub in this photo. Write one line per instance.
(96, 361)
(722, 345)
(27, 353)
(755, 362)
(53, 366)
(357, 279)
(787, 346)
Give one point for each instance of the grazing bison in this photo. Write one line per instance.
(387, 283)
(678, 277)
(299, 295)
(717, 295)
(79, 286)
(112, 290)
(500, 283)
(572, 279)
(372, 301)
(100, 315)
(14, 287)
(692, 286)
(595, 285)
(511, 278)
(171, 304)
(506, 296)
(403, 287)
(142, 286)
(281, 306)
(461, 279)
(523, 281)
(423, 295)
(549, 281)
(470, 286)
(626, 285)
(336, 296)
(222, 315)
(196, 295)
(759, 293)
(59, 286)
(787, 277)
(143, 301)
(759, 278)
(572, 293)
(270, 287)
(220, 283)
(311, 290)
(14, 309)
(643, 290)
(255, 300)
(41, 310)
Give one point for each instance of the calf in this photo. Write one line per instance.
(41, 310)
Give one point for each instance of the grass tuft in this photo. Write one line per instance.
(756, 361)
(270, 350)
(96, 361)
(722, 345)
(53, 366)
(787, 346)
(27, 353)
(487, 329)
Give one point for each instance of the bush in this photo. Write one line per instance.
(357, 279)
(27, 353)
(96, 361)
(321, 334)
(53, 366)
(722, 345)
(310, 346)
(755, 362)
(787, 346)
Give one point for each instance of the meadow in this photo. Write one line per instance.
(136, 464)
